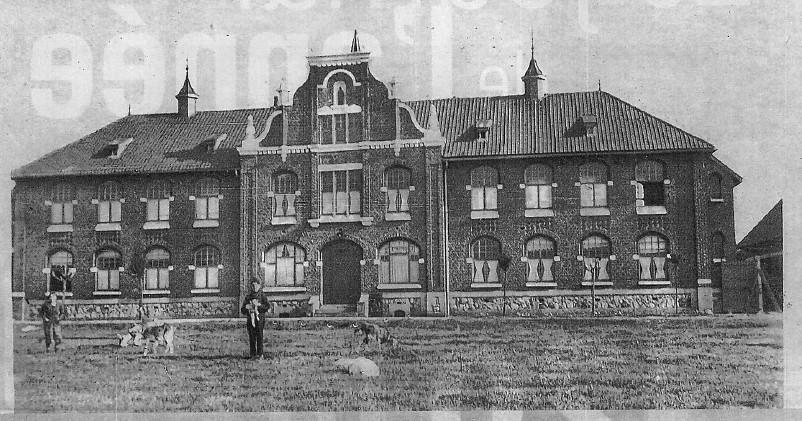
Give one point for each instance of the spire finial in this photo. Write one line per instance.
(187, 66)
(355, 47)
(532, 35)
(599, 85)
(129, 109)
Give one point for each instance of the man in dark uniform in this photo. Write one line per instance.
(254, 307)
(51, 314)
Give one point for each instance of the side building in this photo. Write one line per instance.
(344, 199)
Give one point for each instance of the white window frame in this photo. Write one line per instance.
(484, 189)
(271, 265)
(111, 273)
(411, 275)
(160, 268)
(206, 260)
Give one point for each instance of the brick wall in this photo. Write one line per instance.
(567, 228)
(32, 243)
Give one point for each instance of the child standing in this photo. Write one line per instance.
(51, 314)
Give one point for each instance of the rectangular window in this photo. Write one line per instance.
(206, 277)
(157, 278)
(158, 210)
(284, 204)
(593, 195)
(485, 271)
(207, 207)
(650, 194)
(341, 192)
(601, 269)
(538, 196)
(61, 213)
(483, 198)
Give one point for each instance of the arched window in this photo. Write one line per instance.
(158, 201)
(593, 185)
(109, 206)
(339, 93)
(540, 252)
(538, 186)
(397, 182)
(284, 265)
(285, 186)
(157, 269)
(715, 187)
(652, 252)
(61, 271)
(650, 189)
(61, 210)
(107, 264)
(717, 257)
(398, 262)
(206, 260)
(207, 199)
(485, 253)
(595, 251)
(484, 185)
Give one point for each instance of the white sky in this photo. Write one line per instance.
(724, 70)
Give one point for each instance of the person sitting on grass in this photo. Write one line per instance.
(51, 314)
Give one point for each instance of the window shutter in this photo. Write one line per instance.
(214, 207)
(56, 213)
(103, 211)
(153, 210)
(116, 211)
(164, 209)
(68, 215)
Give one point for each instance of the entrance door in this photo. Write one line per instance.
(341, 272)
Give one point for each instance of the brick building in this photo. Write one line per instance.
(343, 199)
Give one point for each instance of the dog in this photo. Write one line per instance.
(154, 334)
(374, 332)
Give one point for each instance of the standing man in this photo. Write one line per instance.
(51, 314)
(255, 306)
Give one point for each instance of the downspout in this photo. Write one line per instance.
(445, 237)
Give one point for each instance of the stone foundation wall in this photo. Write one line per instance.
(607, 304)
(172, 310)
(416, 306)
(290, 308)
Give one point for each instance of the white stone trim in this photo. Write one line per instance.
(702, 281)
(106, 293)
(338, 60)
(397, 216)
(339, 109)
(485, 284)
(538, 213)
(283, 220)
(598, 211)
(484, 214)
(205, 290)
(716, 200)
(399, 286)
(283, 289)
(667, 181)
(95, 201)
(541, 284)
(206, 223)
(109, 226)
(331, 219)
(17, 294)
(156, 225)
(557, 258)
(598, 283)
(156, 291)
(609, 182)
(665, 282)
(573, 292)
(339, 167)
(60, 228)
(650, 210)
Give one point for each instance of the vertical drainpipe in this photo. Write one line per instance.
(445, 237)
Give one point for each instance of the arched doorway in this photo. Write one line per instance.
(341, 272)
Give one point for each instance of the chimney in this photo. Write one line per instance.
(187, 98)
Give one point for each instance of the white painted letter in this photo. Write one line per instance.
(77, 73)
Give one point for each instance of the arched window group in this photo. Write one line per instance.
(485, 255)
(207, 262)
(157, 269)
(652, 254)
(283, 265)
(107, 265)
(399, 262)
(540, 252)
(596, 252)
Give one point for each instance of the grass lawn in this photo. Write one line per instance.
(456, 364)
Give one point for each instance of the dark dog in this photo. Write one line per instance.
(374, 332)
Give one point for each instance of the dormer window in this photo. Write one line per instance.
(114, 149)
(482, 129)
(588, 124)
(212, 143)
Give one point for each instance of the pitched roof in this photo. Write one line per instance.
(533, 70)
(521, 126)
(186, 90)
(767, 234)
(161, 143)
